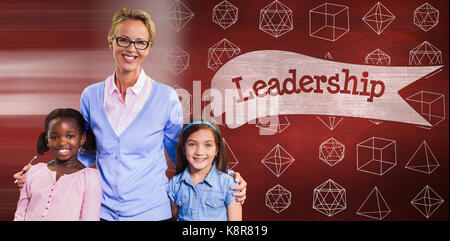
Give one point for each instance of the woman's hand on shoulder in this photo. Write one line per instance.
(242, 188)
(20, 177)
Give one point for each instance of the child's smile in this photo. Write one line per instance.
(64, 138)
(200, 150)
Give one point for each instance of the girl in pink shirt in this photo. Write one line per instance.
(62, 189)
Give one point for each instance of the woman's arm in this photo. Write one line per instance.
(85, 158)
(234, 211)
(173, 126)
(20, 176)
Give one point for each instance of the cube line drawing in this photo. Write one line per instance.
(178, 60)
(378, 57)
(331, 151)
(374, 206)
(278, 160)
(427, 201)
(426, 17)
(278, 198)
(180, 15)
(378, 18)
(425, 54)
(329, 198)
(430, 105)
(376, 155)
(276, 19)
(333, 121)
(267, 125)
(225, 14)
(232, 160)
(423, 160)
(221, 52)
(329, 21)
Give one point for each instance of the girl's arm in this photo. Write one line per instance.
(234, 210)
(22, 204)
(174, 208)
(92, 200)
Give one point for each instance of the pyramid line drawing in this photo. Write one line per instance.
(423, 160)
(374, 206)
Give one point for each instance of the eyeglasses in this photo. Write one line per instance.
(138, 44)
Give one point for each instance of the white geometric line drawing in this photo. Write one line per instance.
(220, 53)
(276, 19)
(277, 160)
(225, 14)
(328, 56)
(376, 155)
(329, 198)
(425, 53)
(374, 206)
(378, 57)
(423, 160)
(232, 160)
(272, 125)
(378, 18)
(430, 105)
(426, 17)
(332, 123)
(180, 14)
(376, 122)
(329, 21)
(427, 201)
(178, 60)
(278, 198)
(331, 151)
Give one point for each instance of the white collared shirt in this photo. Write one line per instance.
(121, 113)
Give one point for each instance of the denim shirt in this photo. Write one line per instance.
(207, 201)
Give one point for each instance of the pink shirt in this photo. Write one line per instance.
(121, 113)
(75, 196)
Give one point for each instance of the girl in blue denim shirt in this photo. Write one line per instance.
(200, 189)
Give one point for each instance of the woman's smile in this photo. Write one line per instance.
(129, 58)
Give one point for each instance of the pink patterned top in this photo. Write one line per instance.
(72, 197)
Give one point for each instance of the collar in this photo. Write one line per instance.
(135, 89)
(210, 177)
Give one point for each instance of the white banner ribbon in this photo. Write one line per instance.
(286, 83)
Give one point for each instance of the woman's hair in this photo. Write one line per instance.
(221, 159)
(89, 145)
(133, 14)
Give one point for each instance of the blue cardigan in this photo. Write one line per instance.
(133, 165)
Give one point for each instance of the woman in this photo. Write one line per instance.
(134, 118)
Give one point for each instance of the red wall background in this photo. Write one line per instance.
(30, 29)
